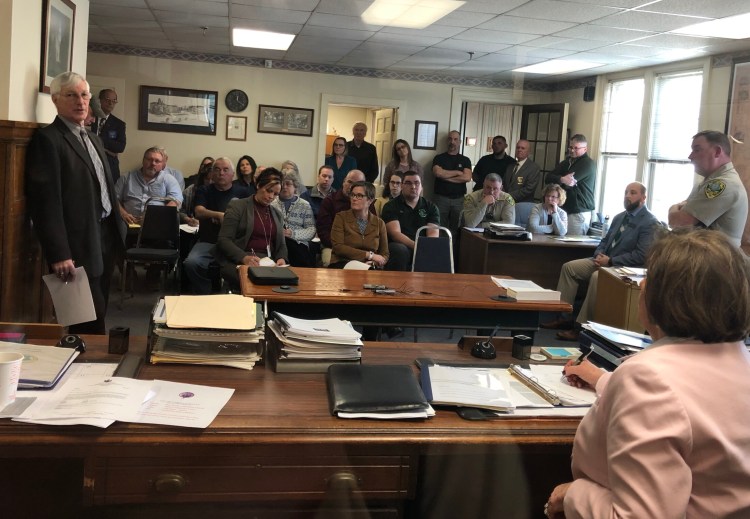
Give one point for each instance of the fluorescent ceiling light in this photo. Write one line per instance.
(411, 14)
(733, 27)
(261, 39)
(557, 66)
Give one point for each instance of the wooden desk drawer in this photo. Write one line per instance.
(132, 480)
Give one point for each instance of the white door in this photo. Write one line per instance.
(383, 137)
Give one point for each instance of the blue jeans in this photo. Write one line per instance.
(196, 267)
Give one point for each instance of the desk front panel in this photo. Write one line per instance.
(539, 260)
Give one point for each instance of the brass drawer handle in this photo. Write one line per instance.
(169, 483)
(343, 481)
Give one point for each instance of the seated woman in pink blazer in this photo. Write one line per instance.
(669, 435)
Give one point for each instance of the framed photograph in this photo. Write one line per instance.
(285, 120)
(164, 109)
(236, 128)
(425, 135)
(58, 22)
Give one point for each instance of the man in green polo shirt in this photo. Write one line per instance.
(403, 216)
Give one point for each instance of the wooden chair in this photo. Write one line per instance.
(34, 331)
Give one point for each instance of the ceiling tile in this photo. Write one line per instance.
(402, 50)
(298, 5)
(269, 14)
(642, 21)
(365, 59)
(343, 7)
(176, 18)
(525, 25)
(600, 33)
(99, 11)
(562, 11)
(471, 46)
(387, 37)
(491, 6)
(495, 36)
(673, 41)
(341, 22)
(121, 3)
(536, 52)
(565, 43)
(341, 34)
(701, 8)
(262, 25)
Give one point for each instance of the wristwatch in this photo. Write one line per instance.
(369, 258)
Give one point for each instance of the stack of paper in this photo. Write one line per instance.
(306, 345)
(220, 330)
(526, 290)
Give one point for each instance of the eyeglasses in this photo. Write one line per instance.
(395, 183)
(73, 95)
(357, 196)
(113, 101)
(411, 183)
(338, 144)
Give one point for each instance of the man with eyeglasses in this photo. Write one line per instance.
(403, 216)
(577, 176)
(496, 162)
(452, 171)
(110, 130)
(71, 197)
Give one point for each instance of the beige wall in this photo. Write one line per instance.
(20, 44)
(342, 118)
(274, 87)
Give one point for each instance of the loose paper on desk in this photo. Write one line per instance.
(357, 265)
(220, 311)
(72, 299)
(184, 405)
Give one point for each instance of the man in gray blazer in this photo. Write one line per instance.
(71, 196)
(522, 179)
(625, 245)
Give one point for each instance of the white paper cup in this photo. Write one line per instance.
(10, 372)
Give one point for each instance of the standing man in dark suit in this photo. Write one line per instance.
(110, 130)
(522, 180)
(71, 196)
(363, 152)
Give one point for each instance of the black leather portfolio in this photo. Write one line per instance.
(362, 388)
(272, 276)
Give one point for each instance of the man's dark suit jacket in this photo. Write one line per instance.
(113, 137)
(634, 242)
(64, 199)
(366, 157)
(522, 185)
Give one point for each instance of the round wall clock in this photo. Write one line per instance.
(236, 100)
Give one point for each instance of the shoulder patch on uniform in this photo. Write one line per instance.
(715, 188)
(510, 200)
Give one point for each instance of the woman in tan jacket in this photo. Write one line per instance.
(358, 234)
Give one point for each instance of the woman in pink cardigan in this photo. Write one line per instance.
(669, 435)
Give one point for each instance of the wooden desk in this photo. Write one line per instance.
(617, 301)
(539, 260)
(424, 300)
(275, 448)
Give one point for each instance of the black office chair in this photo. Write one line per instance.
(433, 254)
(158, 244)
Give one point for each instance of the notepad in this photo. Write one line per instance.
(560, 353)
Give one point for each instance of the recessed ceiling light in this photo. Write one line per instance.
(733, 27)
(261, 39)
(557, 66)
(411, 14)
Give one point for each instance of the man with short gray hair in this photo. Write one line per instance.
(135, 188)
(363, 152)
(71, 196)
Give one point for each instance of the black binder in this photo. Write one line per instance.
(606, 354)
(362, 388)
(272, 276)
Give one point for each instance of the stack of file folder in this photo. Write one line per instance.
(610, 346)
(310, 346)
(215, 330)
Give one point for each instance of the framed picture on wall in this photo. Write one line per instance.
(425, 135)
(285, 120)
(165, 109)
(58, 24)
(236, 128)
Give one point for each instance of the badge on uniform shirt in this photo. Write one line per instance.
(715, 188)
(422, 213)
(519, 181)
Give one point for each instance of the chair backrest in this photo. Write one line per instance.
(433, 254)
(523, 211)
(160, 228)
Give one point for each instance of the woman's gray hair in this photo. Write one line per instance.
(291, 174)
